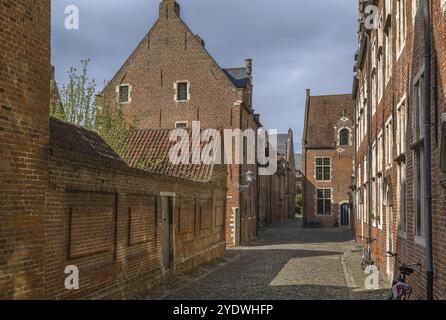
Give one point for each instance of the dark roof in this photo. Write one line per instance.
(77, 139)
(238, 76)
(149, 150)
(321, 115)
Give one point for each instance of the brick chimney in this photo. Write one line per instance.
(169, 9)
(249, 67)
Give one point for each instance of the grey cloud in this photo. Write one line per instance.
(295, 44)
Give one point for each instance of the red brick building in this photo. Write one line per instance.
(170, 80)
(67, 199)
(397, 187)
(277, 193)
(327, 160)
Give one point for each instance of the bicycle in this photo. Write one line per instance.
(367, 256)
(400, 289)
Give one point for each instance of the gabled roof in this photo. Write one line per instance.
(239, 76)
(148, 150)
(321, 115)
(80, 140)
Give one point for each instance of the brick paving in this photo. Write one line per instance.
(287, 262)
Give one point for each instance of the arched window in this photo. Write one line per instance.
(344, 137)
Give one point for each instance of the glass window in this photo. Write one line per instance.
(124, 94)
(323, 202)
(182, 91)
(344, 138)
(323, 169)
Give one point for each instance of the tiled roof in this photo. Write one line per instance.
(149, 150)
(238, 76)
(77, 139)
(321, 116)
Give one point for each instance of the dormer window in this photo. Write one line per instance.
(182, 89)
(124, 91)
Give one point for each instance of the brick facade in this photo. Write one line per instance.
(25, 75)
(325, 118)
(395, 225)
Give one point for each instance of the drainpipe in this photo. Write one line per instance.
(369, 134)
(427, 151)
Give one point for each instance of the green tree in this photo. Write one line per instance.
(77, 98)
(299, 204)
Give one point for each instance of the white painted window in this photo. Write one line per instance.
(402, 197)
(181, 125)
(380, 152)
(418, 115)
(380, 202)
(182, 91)
(389, 143)
(323, 169)
(389, 5)
(374, 213)
(443, 4)
(124, 93)
(389, 55)
(373, 92)
(401, 17)
(380, 76)
(401, 127)
(323, 206)
(374, 159)
(415, 9)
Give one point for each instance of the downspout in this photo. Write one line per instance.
(355, 173)
(369, 136)
(427, 152)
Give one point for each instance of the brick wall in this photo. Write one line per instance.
(24, 97)
(107, 221)
(406, 66)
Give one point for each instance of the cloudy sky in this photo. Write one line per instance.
(295, 44)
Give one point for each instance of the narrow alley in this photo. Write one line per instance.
(286, 263)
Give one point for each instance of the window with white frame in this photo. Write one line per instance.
(443, 4)
(374, 213)
(182, 91)
(181, 125)
(418, 149)
(124, 93)
(389, 5)
(380, 76)
(323, 206)
(415, 9)
(344, 137)
(419, 191)
(380, 202)
(401, 25)
(389, 55)
(401, 127)
(418, 116)
(374, 159)
(366, 175)
(402, 196)
(366, 201)
(389, 143)
(380, 152)
(323, 169)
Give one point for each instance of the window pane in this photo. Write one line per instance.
(320, 207)
(327, 161)
(327, 207)
(123, 94)
(320, 194)
(326, 173)
(319, 173)
(182, 91)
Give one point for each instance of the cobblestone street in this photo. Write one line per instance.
(286, 262)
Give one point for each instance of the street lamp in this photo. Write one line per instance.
(249, 179)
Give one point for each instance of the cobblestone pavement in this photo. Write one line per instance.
(286, 262)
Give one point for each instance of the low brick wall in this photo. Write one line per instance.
(108, 221)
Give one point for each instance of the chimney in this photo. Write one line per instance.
(308, 93)
(249, 67)
(200, 40)
(169, 9)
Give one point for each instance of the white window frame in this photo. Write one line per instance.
(380, 157)
(323, 166)
(118, 91)
(443, 5)
(418, 114)
(324, 199)
(402, 174)
(181, 122)
(350, 138)
(389, 143)
(401, 126)
(416, 5)
(380, 202)
(401, 34)
(175, 86)
(389, 55)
